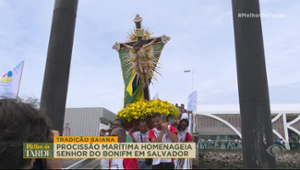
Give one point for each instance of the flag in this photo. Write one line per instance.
(192, 101)
(10, 82)
(131, 83)
(156, 96)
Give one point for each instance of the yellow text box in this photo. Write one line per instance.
(85, 139)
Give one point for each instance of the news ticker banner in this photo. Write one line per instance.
(106, 147)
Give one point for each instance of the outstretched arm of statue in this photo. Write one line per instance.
(147, 45)
(127, 46)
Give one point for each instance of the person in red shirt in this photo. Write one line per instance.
(120, 122)
(162, 133)
(122, 163)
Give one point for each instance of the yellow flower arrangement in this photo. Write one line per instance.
(145, 109)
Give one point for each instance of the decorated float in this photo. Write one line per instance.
(139, 58)
(138, 110)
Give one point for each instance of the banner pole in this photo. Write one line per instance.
(20, 79)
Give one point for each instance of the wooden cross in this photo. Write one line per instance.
(139, 31)
(141, 40)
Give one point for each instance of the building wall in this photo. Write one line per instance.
(103, 126)
(210, 126)
(230, 124)
(86, 121)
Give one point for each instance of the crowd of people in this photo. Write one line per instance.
(162, 132)
(219, 143)
(184, 114)
(293, 144)
(23, 122)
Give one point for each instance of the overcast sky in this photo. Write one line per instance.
(202, 40)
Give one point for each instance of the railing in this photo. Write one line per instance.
(216, 145)
(219, 145)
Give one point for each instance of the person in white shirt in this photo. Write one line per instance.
(184, 116)
(142, 137)
(162, 133)
(122, 163)
(183, 136)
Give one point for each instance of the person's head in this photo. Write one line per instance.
(156, 120)
(176, 105)
(21, 122)
(119, 122)
(120, 132)
(136, 46)
(182, 106)
(103, 132)
(143, 126)
(181, 110)
(183, 124)
(163, 118)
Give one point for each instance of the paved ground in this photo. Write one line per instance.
(68, 162)
(92, 164)
(89, 165)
